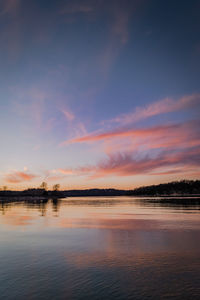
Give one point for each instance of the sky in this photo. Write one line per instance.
(99, 93)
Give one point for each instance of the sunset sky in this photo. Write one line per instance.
(99, 93)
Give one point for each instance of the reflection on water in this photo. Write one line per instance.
(100, 248)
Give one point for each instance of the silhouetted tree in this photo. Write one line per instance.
(43, 186)
(56, 187)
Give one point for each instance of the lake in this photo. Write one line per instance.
(100, 248)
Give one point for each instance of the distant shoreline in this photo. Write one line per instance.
(184, 188)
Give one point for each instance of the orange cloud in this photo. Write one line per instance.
(65, 171)
(17, 177)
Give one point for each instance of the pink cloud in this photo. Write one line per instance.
(156, 137)
(162, 149)
(17, 177)
(126, 164)
(68, 114)
(160, 107)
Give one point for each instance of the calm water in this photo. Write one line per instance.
(99, 248)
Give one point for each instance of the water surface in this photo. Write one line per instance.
(100, 248)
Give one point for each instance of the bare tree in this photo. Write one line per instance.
(56, 187)
(43, 185)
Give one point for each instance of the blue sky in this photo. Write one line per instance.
(79, 69)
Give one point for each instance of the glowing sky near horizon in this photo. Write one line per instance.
(99, 93)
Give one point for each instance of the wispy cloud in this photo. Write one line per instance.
(117, 33)
(156, 136)
(120, 25)
(128, 164)
(9, 6)
(18, 177)
(34, 106)
(77, 7)
(163, 106)
(68, 114)
(160, 149)
(115, 17)
(167, 149)
(125, 122)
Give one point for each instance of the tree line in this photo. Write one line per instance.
(184, 187)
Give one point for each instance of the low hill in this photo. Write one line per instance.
(184, 187)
